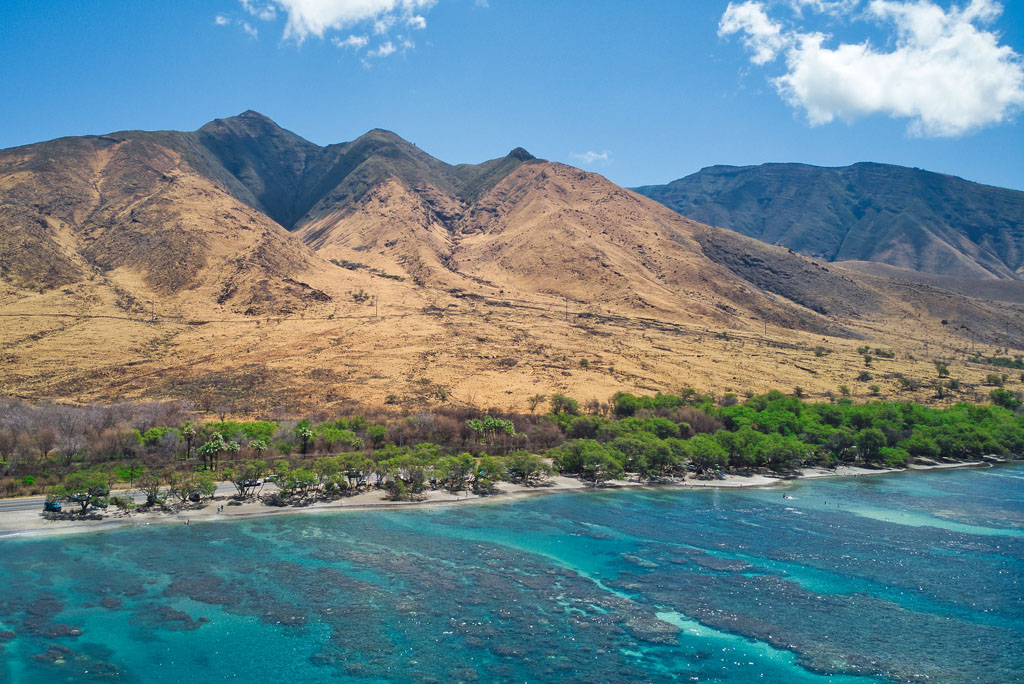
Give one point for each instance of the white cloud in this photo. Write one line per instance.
(383, 50)
(247, 28)
(265, 12)
(315, 17)
(763, 36)
(383, 25)
(388, 20)
(944, 72)
(824, 6)
(354, 42)
(591, 157)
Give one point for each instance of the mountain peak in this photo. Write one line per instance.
(253, 114)
(520, 154)
(383, 135)
(249, 121)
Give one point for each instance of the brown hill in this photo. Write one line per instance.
(1000, 290)
(159, 264)
(130, 218)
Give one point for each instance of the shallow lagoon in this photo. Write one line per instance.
(911, 577)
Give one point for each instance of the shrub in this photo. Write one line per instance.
(1000, 397)
(624, 404)
(894, 457)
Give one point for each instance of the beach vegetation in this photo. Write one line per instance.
(172, 456)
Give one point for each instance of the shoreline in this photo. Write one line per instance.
(20, 524)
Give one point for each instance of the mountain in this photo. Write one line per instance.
(903, 217)
(242, 265)
(129, 219)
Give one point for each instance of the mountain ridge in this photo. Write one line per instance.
(905, 217)
(152, 264)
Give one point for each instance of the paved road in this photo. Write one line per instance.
(35, 503)
(22, 504)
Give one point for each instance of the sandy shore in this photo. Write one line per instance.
(30, 523)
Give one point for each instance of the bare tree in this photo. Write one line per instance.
(8, 444)
(69, 423)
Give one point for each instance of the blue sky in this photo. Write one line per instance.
(642, 92)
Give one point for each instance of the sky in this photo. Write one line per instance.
(640, 92)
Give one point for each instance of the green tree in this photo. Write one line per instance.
(486, 473)
(526, 467)
(870, 442)
(782, 452)
(894, 457)
(563, 404)
(624, 404)
(183, 486)
(454, 470)
(741, 445)
(602, 469)
(487, 426)
(1004, 398)
(246, 477)
(377, 434)
(84, 487)
(212, 449)
(304, 434)
(301, 482)
(259, 447)
(188, 433)
(357, 467)
(572, 457)
(705, 453)
(149, 482)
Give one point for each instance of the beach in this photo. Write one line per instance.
(30, 523)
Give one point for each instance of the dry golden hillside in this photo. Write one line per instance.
(194, 265)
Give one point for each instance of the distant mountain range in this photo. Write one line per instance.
(903, 217)
(169, 258)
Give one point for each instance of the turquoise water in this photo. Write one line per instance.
(914, 577)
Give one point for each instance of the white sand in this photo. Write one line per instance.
(31, 523)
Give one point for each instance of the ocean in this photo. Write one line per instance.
(915, 577)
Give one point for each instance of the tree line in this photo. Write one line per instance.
(164, 449)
